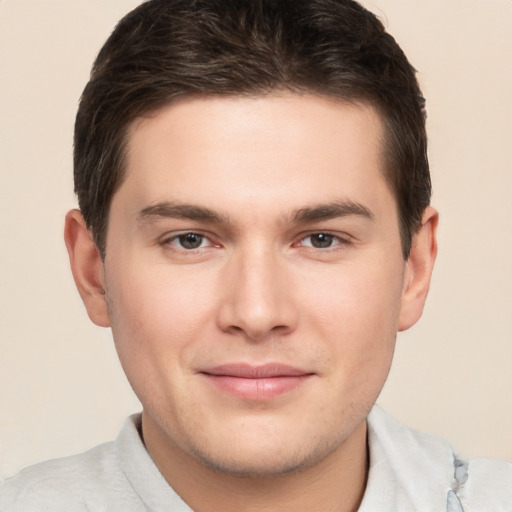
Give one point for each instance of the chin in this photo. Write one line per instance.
(260, 460)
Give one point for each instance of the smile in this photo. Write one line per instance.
(256, 383)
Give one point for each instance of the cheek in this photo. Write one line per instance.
(356, 311)
(358, 297)
(156, 314)
(156, 320)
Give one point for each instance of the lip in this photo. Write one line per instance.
(256, 382)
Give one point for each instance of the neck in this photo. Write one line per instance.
(335, 483)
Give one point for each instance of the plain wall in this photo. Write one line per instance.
(61, 387)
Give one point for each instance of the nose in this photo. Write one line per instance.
(258, 301)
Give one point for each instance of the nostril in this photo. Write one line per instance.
(280, 328)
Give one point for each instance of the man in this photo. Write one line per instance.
(255, 228)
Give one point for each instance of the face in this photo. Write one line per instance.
(254, 277)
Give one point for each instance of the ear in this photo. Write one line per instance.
(418, 270)
(87, 268)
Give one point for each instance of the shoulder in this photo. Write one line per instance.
(65, 483)
(425, 471)
(93, 480)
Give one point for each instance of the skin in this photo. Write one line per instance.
(298, 262)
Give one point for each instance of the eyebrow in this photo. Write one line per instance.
(304, 215)
(331, 211)
(166, 210)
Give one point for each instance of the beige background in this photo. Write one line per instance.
(61, 388)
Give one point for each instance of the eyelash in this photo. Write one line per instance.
(337, 242)
(176, 238)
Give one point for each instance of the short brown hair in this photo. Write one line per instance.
(166, 49)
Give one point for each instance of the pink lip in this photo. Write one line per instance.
(256, 383)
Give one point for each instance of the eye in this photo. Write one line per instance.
(189, 241)
(320, 240)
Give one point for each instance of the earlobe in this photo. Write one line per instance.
(87, 268)
(419, 270)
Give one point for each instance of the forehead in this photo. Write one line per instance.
(255, 151)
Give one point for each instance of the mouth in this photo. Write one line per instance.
(256, 383)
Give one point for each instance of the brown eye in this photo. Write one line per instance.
(321, 240)
(190, 240)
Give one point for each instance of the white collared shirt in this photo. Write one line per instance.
(409, 471)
